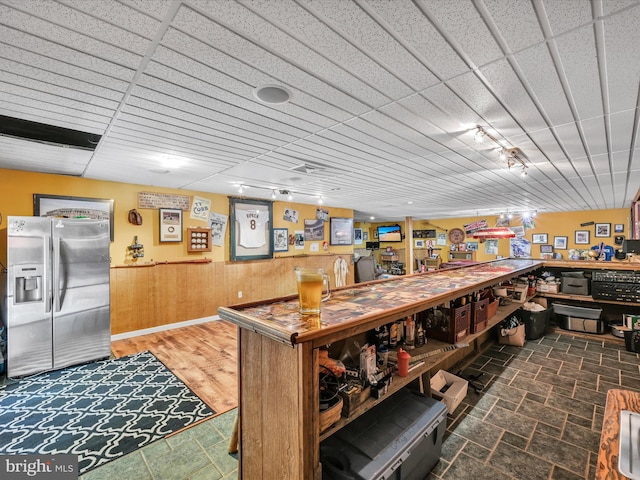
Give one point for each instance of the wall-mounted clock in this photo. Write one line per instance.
(456, 235)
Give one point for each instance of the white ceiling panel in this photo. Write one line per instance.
(386, 96)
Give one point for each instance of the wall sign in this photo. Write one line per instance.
(163, 200)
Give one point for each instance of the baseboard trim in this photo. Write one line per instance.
(162, 328)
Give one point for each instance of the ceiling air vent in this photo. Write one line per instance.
(306, 168)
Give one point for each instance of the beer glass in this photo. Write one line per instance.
(310, 286)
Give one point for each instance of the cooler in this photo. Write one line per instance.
(400, 438)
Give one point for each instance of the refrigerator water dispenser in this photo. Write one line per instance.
(28, 286)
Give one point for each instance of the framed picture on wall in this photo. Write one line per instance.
(603, 230)
(280, 239)
(618, 228)
(546, 248)
(540, 238)
(69, 207)
(357, 236)
(170, 224)
(560, 243)
(251, 229)
(341, 231)
(582, 237)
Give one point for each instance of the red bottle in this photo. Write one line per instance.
(403, 363)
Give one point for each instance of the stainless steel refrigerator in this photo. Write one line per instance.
(57, 299)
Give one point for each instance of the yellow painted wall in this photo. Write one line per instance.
(16, 198)
(552, 224)
(308, 212)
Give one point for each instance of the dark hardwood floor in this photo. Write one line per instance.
(203, 356)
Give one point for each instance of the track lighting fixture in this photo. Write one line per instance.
(273, 194)
(512, 155)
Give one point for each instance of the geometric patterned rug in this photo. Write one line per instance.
(98, 411)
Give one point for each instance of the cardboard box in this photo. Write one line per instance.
(449, 389)
(520, 293)
(548, 287)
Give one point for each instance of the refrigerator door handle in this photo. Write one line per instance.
(46, 278)
(57, 267)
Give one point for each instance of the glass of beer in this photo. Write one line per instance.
(310, 286)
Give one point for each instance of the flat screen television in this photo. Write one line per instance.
(389, 233)
(631, 246)
(373, 245)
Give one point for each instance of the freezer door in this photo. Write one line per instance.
(81, 303)
(28, 303)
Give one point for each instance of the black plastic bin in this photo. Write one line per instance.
(535, 323)
(399, 439)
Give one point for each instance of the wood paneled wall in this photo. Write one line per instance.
(159, 294)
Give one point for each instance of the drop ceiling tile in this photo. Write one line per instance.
(571, 140)
(516, 21)
(578, 56)
(594, 134)
(54, 68)
(166, 106)
(509, 90)
(57, 100)
(420, 35)
(290, 77)
(209, 83)
(153, 88)
(465, 30)
(32, 43)
(66, 92)
(172, 138)
(542, 80)
(446, 100)
(378, 129)
(82, 23)
(372, 47)
(136, 17)
(566, 16)
(481, 100)
(69, 38)
(620, 162)
(415, 138)
(274, 64)
(622, 37)
(621, 128)
(346, 133)
(620, 6)
(21, 154)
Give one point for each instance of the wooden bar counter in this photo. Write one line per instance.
(617, 400)
(278, 358)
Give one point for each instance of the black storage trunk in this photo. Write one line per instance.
(400, 438)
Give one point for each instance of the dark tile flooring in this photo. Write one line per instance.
(539, 412)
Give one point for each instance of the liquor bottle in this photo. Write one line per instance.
(410, 333)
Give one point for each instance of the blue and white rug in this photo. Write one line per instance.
(98, 411)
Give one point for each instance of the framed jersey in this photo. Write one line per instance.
(251, 229)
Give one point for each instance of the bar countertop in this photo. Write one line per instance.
(359, 307)
(617, 400)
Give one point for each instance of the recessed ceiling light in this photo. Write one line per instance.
(272, 94)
